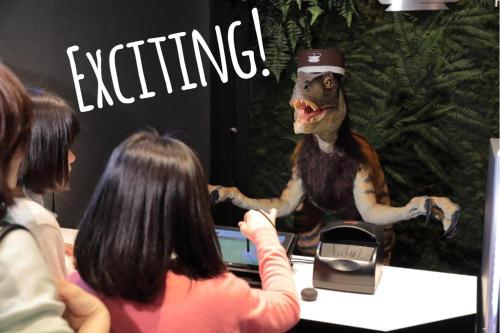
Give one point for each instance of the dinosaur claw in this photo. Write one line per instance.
(428, 209)
(448, 213)
(214, 196)
(453, 226)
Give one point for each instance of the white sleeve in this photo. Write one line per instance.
(44, 227)
(51, 244)
(28, 296)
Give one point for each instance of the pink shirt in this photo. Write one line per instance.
(222, 304)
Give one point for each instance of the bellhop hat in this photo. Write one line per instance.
(321, 60)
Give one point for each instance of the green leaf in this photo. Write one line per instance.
(315, 12)
(277, 51)
(294, 34)
(396, 176)
(284, 10)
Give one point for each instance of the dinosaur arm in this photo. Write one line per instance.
(287, 202)
(373, 212)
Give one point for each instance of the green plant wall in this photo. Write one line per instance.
(421, 86)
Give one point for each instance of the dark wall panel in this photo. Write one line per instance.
(34, 36)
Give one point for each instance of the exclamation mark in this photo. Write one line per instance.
(256, 23)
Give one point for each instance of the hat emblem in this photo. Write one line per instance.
(313, 57)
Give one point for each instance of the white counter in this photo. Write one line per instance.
(404, 298)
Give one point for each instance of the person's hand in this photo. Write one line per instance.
(84, 312)
(254, 220)
(68, 249)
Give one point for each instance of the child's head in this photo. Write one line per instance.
(149, 214)
(15, 120)
(48, 160)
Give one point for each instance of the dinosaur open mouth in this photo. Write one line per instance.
(306, 111)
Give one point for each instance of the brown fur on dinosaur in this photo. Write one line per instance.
(317, 169)
(334, 168)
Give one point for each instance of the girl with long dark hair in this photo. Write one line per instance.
(147, 247)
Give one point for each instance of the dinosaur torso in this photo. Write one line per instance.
(328, 178)
(327, 182)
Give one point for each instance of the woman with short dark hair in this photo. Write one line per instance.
(147, 247)
(45, 168)
(49, 157)
(27, 291)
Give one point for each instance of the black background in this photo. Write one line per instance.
(34, 36)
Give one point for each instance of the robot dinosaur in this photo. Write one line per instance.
(333, 167)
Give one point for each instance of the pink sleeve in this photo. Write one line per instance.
(75, 278)
(275, 308)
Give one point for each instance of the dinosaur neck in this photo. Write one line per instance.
(326, 141)
(327, 137)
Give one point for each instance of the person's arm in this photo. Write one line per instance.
(51, 243)
(84, 312)
(275, 308)
(28, 301)
(46, 230)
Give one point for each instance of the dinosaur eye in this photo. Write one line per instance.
(327, 83)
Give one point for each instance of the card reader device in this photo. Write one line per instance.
(349, 257)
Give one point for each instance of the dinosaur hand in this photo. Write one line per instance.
(213, 192)
(447, 212)
(220, 194)
(419, 206)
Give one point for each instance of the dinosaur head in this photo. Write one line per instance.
(315, 100)
(315, 96)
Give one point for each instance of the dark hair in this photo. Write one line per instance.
(53, 131)
(15, 121)
(345, 139)
(149, 214)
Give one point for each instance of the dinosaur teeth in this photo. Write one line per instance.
(304, 104)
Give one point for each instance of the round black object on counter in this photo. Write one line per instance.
(309, 294)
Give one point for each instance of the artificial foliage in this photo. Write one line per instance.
(421, 86)
(287, 24)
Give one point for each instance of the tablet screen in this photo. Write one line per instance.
(234, 246)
